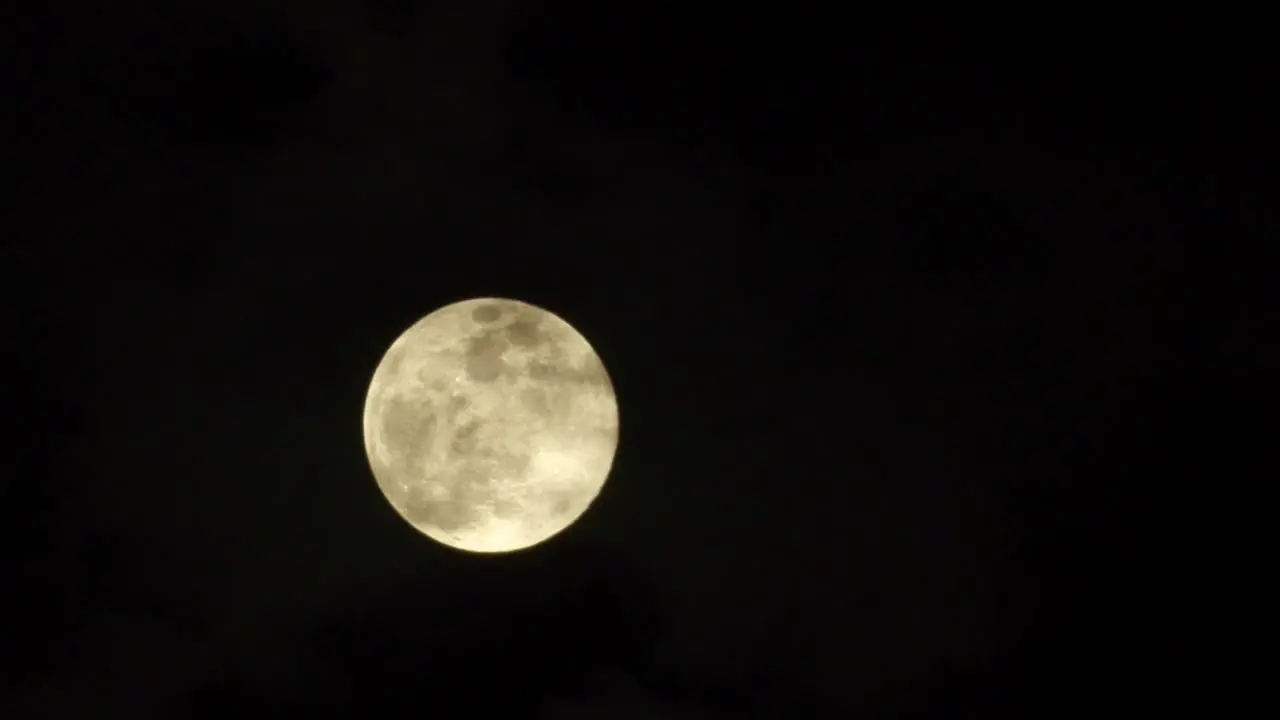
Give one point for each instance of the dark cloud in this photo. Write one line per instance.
(464, 637)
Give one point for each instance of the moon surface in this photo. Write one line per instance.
(490, 425)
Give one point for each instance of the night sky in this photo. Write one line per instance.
(912, 322)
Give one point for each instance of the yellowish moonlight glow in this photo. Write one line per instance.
(490, 425)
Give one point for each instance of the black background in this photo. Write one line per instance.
(915, 323)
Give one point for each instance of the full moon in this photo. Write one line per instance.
(490, 425)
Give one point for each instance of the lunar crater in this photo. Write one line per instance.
(485, 362)
(525, 333)
(487, 313)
